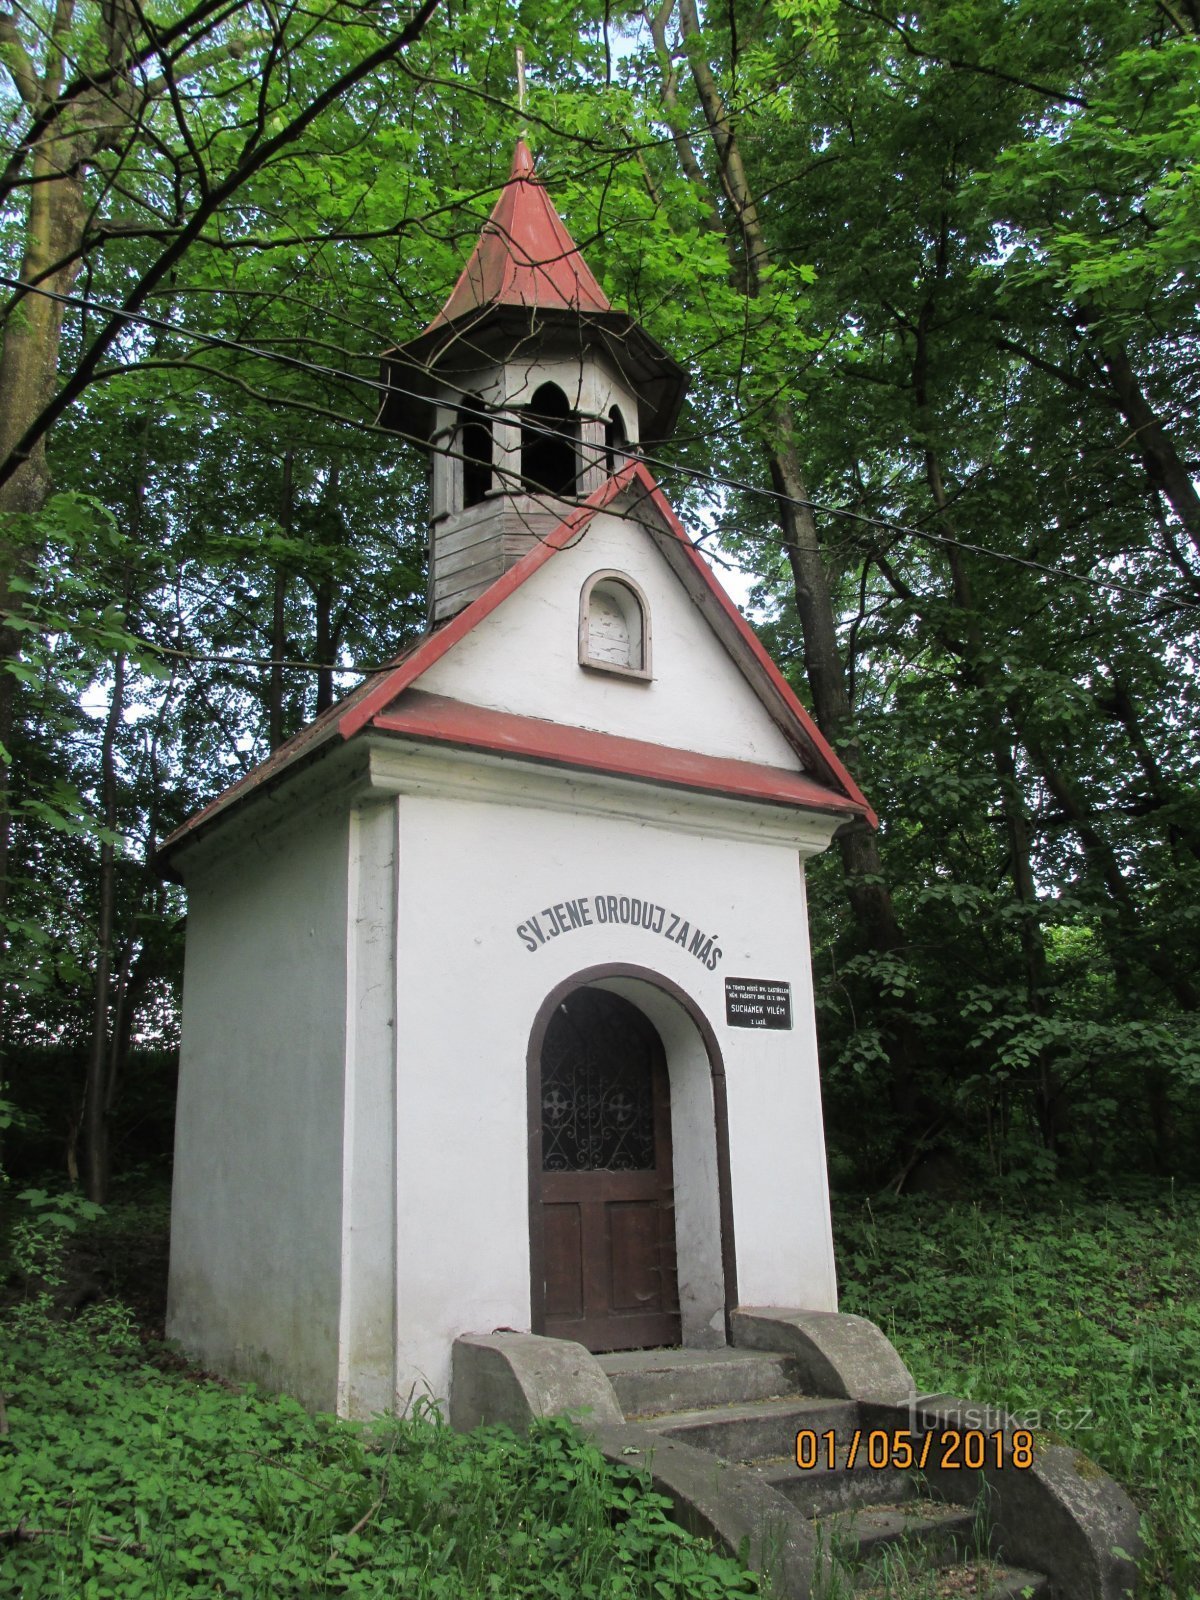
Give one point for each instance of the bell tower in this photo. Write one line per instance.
(527, 391)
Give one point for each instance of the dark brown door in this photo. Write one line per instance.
(607, 1211)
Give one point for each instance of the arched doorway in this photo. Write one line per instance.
(603, 1183)
(701, 1195)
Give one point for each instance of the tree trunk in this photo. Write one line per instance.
(150, 961)
(324, 591)
(980, 675)
(1102, 859)
(1118, 701)
(1164, 468)
(32, 335)
(325, 645)
(96, 1098)
(822, 657)
(33, 329)
(982, 680)
(658, 21)
(275, 733)
(869, 897)
(28, 365)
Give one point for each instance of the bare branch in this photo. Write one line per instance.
(250, 162)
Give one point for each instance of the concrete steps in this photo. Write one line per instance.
(881, 1534)
(971, 1580)
(653, 1381)
(945, 1533)
(752, 1430)
(821, 1491)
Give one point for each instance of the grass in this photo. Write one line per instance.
(121, 1479)
(125, 1476)
(1080, 1315)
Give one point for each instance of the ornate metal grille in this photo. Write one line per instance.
(598, 1086)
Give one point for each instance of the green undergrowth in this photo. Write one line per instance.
(1080, 1315)
(120, 1480)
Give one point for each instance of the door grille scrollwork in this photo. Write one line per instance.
(597, 1086)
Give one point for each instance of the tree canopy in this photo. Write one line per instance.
(933, 271)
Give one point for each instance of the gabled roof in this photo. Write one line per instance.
(524, 256)
(387, 703)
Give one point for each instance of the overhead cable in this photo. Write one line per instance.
(694, 474)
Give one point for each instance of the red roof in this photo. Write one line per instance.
(524, 257)
(383, 704)
(525, 280)
(436, 719)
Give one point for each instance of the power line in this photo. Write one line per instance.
(198, 657)
(695, 474)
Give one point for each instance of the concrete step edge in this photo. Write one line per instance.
(856, 1532)
(665, 1382)
(722, 1500)
(803, 1407)
(629, 1361)
(822, 1492)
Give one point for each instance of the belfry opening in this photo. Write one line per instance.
(549, 444)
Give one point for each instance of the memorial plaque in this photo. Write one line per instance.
(757, 1003)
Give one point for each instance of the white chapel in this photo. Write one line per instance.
(498, 1002)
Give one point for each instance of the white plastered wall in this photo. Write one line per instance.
(523, 658)
(257, 1201)
(468, 991)
(367, 1336)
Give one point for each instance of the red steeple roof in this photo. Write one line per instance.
(524, 257)
(525, 280)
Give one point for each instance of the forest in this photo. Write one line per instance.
(933, 277)
(932, 271)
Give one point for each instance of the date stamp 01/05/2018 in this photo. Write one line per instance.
(951, 1449)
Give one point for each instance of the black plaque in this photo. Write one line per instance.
(757, 1003)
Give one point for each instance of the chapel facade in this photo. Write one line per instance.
(498, 1001)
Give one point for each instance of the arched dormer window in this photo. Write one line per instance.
(549, 444)
(473, 441)
(616, 442)
(614, 626)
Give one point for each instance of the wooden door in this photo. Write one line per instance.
(606, 1188)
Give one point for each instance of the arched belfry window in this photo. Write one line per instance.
(473, 441)
(616, 442)
(614, 626)
(549, 444)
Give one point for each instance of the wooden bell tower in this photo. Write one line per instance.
(527, 390)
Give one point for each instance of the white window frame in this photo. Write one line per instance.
(634, 590)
